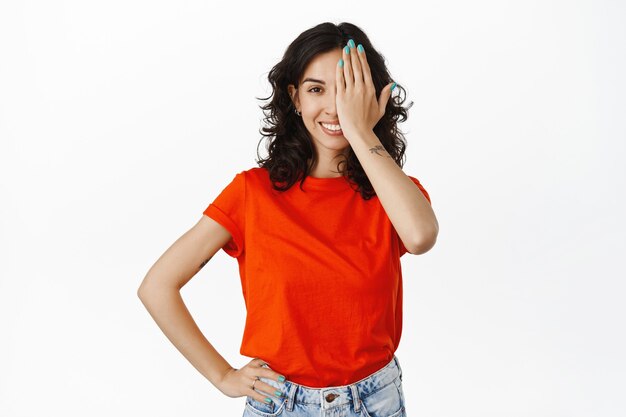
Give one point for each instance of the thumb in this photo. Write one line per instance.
(385, 94)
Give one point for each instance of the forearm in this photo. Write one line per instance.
(169, 311)
(407, 208)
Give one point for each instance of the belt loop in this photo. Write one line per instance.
(291, 397)
(356, 399)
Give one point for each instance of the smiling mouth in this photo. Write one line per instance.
(332, 130)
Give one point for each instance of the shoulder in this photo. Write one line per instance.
(256, 172)
(248, 179)
(255, 175)
(251, 174)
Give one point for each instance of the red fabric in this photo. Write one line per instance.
(320, 273)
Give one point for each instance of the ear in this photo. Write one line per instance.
(293, 93)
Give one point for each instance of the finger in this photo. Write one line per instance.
(269, 390)
(347, 68)
(251, 390)
(365, 67)
(271, 374)
(259, 397)
(356, 64)
(339, 79)
(385, 94)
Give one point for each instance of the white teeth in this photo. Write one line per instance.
(331, 127)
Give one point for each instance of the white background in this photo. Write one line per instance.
(120, 121)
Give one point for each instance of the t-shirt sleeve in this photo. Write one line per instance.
(425, 193)
(228, 209)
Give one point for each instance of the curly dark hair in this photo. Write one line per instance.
(290, 145)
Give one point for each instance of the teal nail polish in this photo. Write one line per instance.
(340, 66)
(282, 378)
(346, 50)
(278, 393)
(268, 400)
(360, 48)
(393, 86)
(351, 44)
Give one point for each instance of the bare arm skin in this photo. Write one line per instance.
(408, 209)
(160, 294)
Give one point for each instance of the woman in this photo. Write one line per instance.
(319, 260)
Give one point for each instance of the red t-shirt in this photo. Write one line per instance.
(320, 273)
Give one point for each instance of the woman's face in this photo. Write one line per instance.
(315, 98)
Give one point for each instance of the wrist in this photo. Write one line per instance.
(219, 382)
(362, 136)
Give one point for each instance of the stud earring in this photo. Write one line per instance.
(297, 112)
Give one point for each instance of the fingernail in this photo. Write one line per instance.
(351, 44)
(282, 378)
(268, 400)
(340, 66)
(393, 86)
(278, 393)
(360, 48)
(346, 50)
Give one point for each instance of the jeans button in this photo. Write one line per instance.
(331, 397)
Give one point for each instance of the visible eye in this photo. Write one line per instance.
(311, 90)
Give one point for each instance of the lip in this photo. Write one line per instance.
(331, 132)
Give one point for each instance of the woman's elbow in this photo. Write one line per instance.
(142, 291)
(147, 289)
(425, 242)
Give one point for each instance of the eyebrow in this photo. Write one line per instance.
(313, 80)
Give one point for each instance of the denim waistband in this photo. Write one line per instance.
(329, 397)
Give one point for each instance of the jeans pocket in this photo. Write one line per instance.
(386, 402)
(275, 408)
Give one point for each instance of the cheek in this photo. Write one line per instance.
(310, 116)
(310, 123)
(313, 105)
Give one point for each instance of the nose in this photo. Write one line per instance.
(331, 105)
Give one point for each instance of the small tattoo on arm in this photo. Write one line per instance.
(379, 148)
(204, 263)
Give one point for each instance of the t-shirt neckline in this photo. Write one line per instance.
(332, 183)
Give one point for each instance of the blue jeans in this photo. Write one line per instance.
(378, 395)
